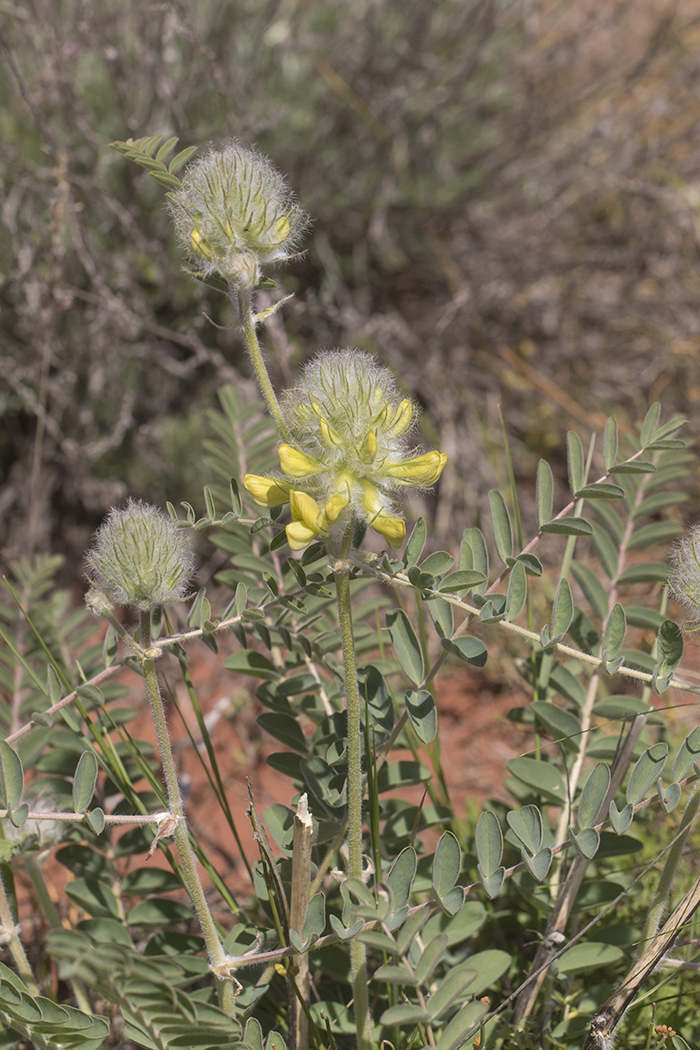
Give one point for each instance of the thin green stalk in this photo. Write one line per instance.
(215, 950)
(9, 936)
(358, 957)
(244, 303)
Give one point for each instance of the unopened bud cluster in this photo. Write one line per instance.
(684, 581)
(235, 213)
(139, 558)
(349, 455)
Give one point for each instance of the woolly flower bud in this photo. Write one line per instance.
(684, 581)
(235, 213)
(139, 558)
(349, 455)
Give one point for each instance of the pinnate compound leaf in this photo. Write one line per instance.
(11, 776)
(406, 646)
(422, 713)
(489, 843)
(545, 492)
(527, 824)
(502, 528)
(84, 781)
(648, 768)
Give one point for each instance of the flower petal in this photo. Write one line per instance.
(336, 505)
(402, 419)
(299, 535)
(297, 464)
(369, 446)
(267, 492)
(392, 529)
(305, 509)
(422, 470)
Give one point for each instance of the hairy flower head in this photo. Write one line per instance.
(349, 454)
(234, 213)
(684, 581)
(139, 558)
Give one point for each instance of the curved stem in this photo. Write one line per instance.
(250, 336)
(358, 957)
(215, 950)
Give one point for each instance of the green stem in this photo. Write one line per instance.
(358, 957)
(10, 938)
(215, 950)
(250, 336)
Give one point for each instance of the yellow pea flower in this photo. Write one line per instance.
(267, 492)
(297, 464)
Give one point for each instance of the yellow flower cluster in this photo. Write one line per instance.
(235, 213)
(349, 454)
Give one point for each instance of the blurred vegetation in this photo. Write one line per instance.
(505, 200)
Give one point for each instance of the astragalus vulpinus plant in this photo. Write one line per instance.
(378, 916)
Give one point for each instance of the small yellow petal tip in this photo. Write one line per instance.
(267, 492)
(297, 464)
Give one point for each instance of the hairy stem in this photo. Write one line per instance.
(358, 957)
(215, 951)
(9, 936)
(245, 307)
